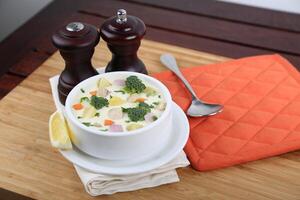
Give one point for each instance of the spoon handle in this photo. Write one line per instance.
(169, 61)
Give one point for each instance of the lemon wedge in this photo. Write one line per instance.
(59, 132)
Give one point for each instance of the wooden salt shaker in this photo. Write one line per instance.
(123, 34)
(76, 43)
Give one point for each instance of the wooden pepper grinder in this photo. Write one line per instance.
(123, 34)
(76, 43)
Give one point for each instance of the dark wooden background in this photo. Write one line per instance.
(225, 29)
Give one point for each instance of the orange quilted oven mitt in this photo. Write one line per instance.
(261, 117)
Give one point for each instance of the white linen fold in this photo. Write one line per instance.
(99, 184)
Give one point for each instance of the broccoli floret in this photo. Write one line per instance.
(84, 99)
(134, 85)
(145, 106)
(98, 102)
(138, 113)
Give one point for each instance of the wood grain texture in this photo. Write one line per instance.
(225, 29)
(34, 36)
(8, 195)
(8, 82)
(202, 26)
(230, 12)
(30, 166)
(191, 41)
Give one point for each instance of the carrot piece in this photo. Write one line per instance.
(140, 100)
(93, 93)
(108, 122)
(78, 106)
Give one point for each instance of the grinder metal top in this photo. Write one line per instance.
(122, 28)
(76, 35)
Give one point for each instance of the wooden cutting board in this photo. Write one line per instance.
(30, 166)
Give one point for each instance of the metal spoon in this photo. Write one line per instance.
(197, 108)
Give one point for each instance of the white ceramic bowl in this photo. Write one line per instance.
(142, 142)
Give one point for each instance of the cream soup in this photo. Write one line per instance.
(117, 105)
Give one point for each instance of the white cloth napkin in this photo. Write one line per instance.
(98, 184)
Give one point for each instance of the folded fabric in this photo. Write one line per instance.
(261, 116)
(99, 184)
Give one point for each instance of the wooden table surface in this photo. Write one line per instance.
(31, 167)
(217, 27)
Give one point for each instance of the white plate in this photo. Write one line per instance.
(132, 166)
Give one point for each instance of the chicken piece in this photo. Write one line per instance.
(102, 92)
(115, 113)
(97, 124)
(161, 106)
(132, 98)
(150, 117)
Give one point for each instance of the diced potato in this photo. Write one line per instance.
(116, 101)
(89, 112)
(103, 83)
(150, 91)
(132, 127)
